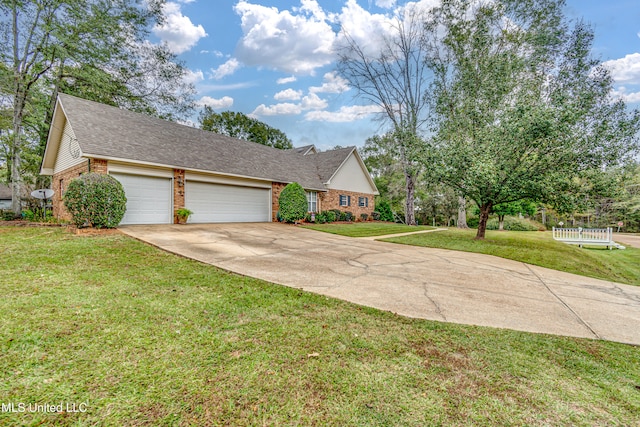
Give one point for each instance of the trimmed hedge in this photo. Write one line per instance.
(96, 200)
(293, 203)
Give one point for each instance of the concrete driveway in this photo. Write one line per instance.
(425, 283)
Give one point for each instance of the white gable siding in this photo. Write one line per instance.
(351, 177)
(65, 160)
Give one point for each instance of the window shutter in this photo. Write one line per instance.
(348, 200)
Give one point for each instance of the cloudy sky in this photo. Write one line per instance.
(275, 60)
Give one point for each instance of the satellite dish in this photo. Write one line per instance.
(44, 194)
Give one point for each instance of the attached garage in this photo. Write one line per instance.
(215, 202)
(148, 199)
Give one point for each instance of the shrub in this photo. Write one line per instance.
(7, 215)
(321, 218)
(330, 216)
(293, 203)
(473, 222)
(343, 216)
(96, 200)
(364, 216)
(376, 215)
(348, 216)
(338, 214)
(514, 224)
(384, 208)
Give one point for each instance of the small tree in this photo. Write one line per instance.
(293, 203)
(96, 200)
(384, 209)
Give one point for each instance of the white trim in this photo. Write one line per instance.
(130, 169)
(217, 179)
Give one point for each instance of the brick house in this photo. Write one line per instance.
(164, 166)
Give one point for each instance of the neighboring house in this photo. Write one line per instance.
(164, 166)
(5, 197)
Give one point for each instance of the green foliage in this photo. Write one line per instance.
(515, 224)
(364, 217)
(239, 125)
(520, 105)
(184, 212)
(384, 209)
(293, 203)
(348, 216)
(330, 215)
(95, 200)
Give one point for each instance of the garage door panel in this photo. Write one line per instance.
(148, 199)
(227, 203)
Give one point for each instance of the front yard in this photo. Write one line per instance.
(143, 337)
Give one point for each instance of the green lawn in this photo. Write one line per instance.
(365, 229)
(143, 337)
(537, 248)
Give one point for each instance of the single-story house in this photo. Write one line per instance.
(164, 166)
(5, 197)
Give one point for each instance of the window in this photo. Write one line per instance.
(363, 202)
(312, 201)
(345, 200)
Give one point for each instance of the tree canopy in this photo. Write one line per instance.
(241, 126)
(520, 106)
(96, 49)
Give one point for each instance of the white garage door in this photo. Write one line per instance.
(227, 203)
(148, 199)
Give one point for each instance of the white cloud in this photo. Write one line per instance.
(386, 4)
(625, 70)
(285, 80)
(313, 102)
(216, 104)
(309, 102)
(225, 69)
(288, 95)
(332, 83)
(193, 76)
(284, 108)
(345, 114)
(177, 30)
(629, 97)
(283, 41)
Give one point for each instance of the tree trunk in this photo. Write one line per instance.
(501, 222)
(462, 212)
(15, 152)
(409, 208)
(485, 210)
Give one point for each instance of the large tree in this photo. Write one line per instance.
(241, 126)
(520, 106)
(86, 45)
(392, 75)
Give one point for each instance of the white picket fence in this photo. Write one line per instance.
(586, 236)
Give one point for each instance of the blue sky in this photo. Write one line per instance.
(274, 60)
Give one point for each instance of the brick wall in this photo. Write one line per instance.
(99, 166)
(60, 181)
(178, 192)
(331, 200)
(276, 189)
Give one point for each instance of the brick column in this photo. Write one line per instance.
(178, 192)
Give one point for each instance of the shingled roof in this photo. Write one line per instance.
(109, 132)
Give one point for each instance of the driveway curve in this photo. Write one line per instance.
(434, 284)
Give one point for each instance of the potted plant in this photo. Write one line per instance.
(183, 215)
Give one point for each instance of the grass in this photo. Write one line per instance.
(144, 337)
(538, 248)
(365, 229)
